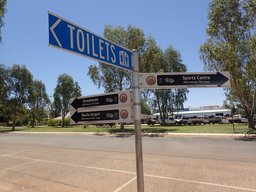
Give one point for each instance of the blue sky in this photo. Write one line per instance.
(178, 23)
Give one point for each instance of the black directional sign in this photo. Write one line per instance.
(112, 115)
(118, 98)
(192, 79)
(95, 101)
(102, 108)
(95, 115)
(184, 80)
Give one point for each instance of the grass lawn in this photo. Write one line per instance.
(211, 128)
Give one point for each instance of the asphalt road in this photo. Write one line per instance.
(94, 163)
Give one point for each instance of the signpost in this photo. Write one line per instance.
(116, 107)
(71, 37)
(184, 80)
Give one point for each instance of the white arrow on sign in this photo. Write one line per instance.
(53, 33)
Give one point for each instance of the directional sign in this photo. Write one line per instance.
(111, 115)
(122, 98)
(102, 108)
(184, 80)
(71, 37)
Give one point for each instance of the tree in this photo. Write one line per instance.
(231, 46)
(2, 12)
(55, 108)
(4, 86)
(38, 100)
(112, 78)
(66, 88)
(4, 81)
(145, 108)
(156, 60)
(20, 85)
(151, 59)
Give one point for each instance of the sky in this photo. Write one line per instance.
(178, 23)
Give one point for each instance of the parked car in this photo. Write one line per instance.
(218, 119)
(238, 119)
(151, 121)
(168, 121)
(204, 120)
(194, 120)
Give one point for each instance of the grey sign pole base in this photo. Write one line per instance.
(137, 122)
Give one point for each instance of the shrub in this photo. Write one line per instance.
(57, 122)
(66, 122)
(50, 122)
(31, 121)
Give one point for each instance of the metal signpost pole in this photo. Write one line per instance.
(137, 122)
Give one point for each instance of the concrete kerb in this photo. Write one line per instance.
(143, 134)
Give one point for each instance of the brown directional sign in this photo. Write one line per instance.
(184, 80)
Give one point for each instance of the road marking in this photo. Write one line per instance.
(201, 182)
(71, 164)
(124, 185)
(16, 152)
(17, 166)
(127, 172)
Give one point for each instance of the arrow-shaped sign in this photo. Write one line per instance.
(73, 38)
(112, 115)
(184, 80)
(95, 116)
(121, 98)
(192, 79)
(102, 108)
(83, 102)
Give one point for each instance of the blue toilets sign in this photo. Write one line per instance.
(71, 37)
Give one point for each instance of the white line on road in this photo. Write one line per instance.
(201, 183)
(70, 164)
(124, 185)
(127, 172)
(17, 166)
(15, 152)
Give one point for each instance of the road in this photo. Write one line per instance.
(76, 162)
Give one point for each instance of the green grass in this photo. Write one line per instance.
(211, 128)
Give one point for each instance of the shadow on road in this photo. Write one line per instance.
(247, 137)
(5, 130)
(145, 132)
